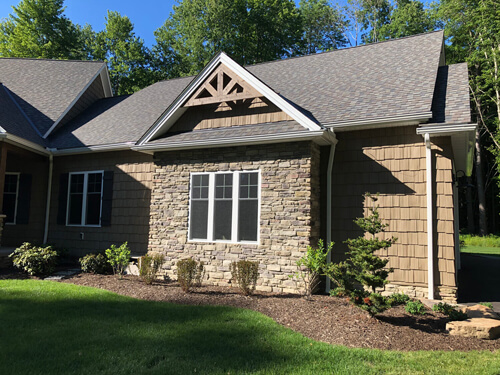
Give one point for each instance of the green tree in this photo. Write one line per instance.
(366, 267)
(323, 26)
(127, 57)
(39, 29)
(374, 15)
(250, 31)
(473, 31)
(408, 17)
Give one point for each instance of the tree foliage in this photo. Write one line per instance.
(39, 29)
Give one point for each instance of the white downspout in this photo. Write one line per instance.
(430, 219)
(329, 206)
(49, 193)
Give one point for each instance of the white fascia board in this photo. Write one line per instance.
(380, 122)
(90, 149)
(106, 82)
(442, 130)
(23, 143)
(235, 141)
(54, 125)
(171, 114)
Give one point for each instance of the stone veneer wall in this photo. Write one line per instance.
(289, 199)
(391, 162)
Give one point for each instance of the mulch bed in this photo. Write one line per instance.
(323, 318)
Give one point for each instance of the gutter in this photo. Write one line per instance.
(89, 149)
(23, 143)
(49, 193)
(441, 129)
(425, 116)
(329, 203)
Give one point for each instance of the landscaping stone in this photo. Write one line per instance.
(482, 328)
(480, 311)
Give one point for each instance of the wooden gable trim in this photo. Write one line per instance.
(232, 90)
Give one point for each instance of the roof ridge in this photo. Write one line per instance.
(44, 59)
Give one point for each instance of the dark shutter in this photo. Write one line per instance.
(24, 199)
(63, 199)
(107, 198)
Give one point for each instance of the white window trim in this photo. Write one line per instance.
(235, 211)
(84, 202)
(18, 174)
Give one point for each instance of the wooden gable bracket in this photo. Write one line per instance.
(223, 85)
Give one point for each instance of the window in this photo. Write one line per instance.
(84, 198)
(10, 197)
(224, 206)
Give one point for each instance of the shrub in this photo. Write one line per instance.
(245, 273)
(312, 266)
(374, 304)
(415, 307)
(95, 263)
(366, 267)
(119, 258)
(450, 311)
(487, 304)
(149, 266)
(189, 273)
(340, 276)
(397, 299)
(35, 260)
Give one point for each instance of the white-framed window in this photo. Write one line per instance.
(10, 197)
(84, 198)
(224, 206)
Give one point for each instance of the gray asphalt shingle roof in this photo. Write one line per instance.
(45, 88)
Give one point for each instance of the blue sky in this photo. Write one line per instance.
(147, 15)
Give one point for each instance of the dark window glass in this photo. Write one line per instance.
(94, 187)
(248, 207)
(223, 206)
(199, 219)
(76, 183)
(199, 206)
(10, 197)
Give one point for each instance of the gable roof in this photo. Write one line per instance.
(45, 89)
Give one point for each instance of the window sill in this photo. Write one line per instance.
(83, 226)
(225, 242)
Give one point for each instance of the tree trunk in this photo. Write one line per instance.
(483, 224)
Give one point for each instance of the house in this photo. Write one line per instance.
(252, 162)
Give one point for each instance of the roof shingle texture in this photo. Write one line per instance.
(119, 119)
(451, 103)
(45, 88)
(266, 129)
(13, 121)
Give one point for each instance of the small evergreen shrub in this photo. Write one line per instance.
(189, 273)
(312, 266)
(119, 258)
(96, 264)
(487, 304)
(35, 260)
(339, 274)
(245, 273)
(415, 307)
(375, 304)
(397, 299)
(149, 266)
(450, 311)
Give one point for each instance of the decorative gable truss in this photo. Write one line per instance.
(222, 85)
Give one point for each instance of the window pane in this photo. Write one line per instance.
(9, 207)
(248, 185)
(223, 211)
(76, 183)
(10, 183)
(93, 209)
(199, 219)
(94, 183)
(248, 220)
(224, 186)
(75, 209)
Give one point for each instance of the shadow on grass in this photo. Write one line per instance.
(94, 332)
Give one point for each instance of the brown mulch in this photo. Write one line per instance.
(328, 319)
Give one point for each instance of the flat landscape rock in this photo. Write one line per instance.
(480, 311)
(481, 328)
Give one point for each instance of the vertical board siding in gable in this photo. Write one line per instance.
(132, 181)
(93, 93)
(392, 162)
(224, 115)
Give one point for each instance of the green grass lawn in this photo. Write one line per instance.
(53, 328)
(480, 250)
